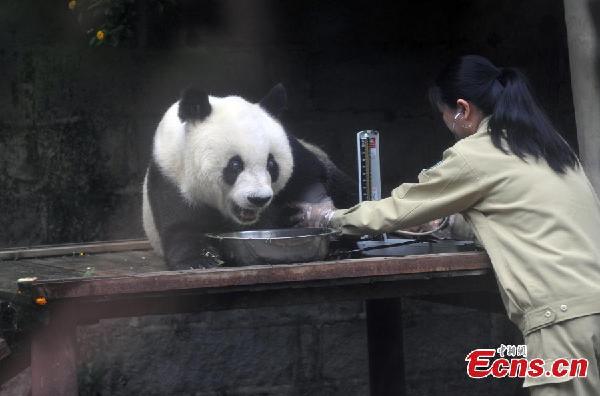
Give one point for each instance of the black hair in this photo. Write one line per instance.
(505, 95)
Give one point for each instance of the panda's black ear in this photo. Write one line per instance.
(275, 101)
(194, 105)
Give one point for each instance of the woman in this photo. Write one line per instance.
(523, 192)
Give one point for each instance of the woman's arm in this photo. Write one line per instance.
(449, 187)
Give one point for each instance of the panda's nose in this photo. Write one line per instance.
(259, 201)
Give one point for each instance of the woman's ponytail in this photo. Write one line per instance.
(505, 95)
(518, 118)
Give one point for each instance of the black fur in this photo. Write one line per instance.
(273, 168)
(194, 105)
(181, 227)
(309, 171)
(234, 167)
(275, 101)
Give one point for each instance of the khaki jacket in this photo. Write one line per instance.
(540, 229)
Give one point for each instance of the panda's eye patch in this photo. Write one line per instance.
(234, 167)
(273, 168)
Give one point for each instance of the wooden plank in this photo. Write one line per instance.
(90, 310)
(172, 281)
(105, 264)
(14, 270)
(74, 249)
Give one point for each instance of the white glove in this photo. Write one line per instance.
(455, 227)
(314, 214)
(434, 227)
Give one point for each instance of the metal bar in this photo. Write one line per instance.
(53, 359)
(483, 300)
(386, 347)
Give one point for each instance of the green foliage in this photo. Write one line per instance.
(111, 22)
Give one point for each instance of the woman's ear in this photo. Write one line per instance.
(464, 107)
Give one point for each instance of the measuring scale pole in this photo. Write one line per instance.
(369, 171)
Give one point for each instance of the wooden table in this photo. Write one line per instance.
(98, 281)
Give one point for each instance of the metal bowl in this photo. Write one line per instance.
(275, 246)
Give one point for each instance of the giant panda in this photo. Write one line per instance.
(224, 164)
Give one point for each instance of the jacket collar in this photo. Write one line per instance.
(482, 129)
(483, 126)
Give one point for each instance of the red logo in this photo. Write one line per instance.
(481, 364)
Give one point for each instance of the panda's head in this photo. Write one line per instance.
(226, 152)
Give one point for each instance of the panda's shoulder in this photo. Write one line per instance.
(303, 151)
(317, 151)
(309, 166)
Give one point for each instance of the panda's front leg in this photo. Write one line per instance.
(187, 249)
(286, 211)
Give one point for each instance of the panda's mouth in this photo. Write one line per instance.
(245, 215)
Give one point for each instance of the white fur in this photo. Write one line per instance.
(321, 155)
(148, 220)
(194, 154)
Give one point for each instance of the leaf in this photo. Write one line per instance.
(117, 29)
(98, 3)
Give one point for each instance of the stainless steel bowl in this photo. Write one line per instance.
(276, 246)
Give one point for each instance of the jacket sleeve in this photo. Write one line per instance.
(449, 187)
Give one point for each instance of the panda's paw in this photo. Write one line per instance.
(290, 216)
(196, 263)
(207, 262)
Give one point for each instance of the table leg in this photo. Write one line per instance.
(386, 349)
(53, 360)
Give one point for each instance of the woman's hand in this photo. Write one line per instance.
(436, 228)
(426, 227)
(314, 214)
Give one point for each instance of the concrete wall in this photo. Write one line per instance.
(75, 130)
